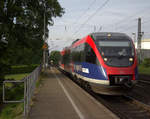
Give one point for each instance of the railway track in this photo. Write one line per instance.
(130, 106)
(144, 77)
(141, 91)
(143, 84)
(144, 81)
(125, 107)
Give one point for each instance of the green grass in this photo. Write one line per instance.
(16, 76)
(15, 110)
(12, 111)
(144, 70)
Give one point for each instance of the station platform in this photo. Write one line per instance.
(60, 98)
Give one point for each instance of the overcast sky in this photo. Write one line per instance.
(85, 16)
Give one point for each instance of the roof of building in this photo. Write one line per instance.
(146, 40)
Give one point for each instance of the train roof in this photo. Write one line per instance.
(75, 41)
(106, 34)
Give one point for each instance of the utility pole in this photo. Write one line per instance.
(44, 53)
(139, 40)
(94, 28)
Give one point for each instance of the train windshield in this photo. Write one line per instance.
(116, 53)
(114, 44)
(116, 48)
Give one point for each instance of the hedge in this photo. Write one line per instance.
(19, 69)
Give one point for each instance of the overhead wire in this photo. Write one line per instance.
(85, 12)
(120, 22)
(91, 16)
(128, 18)
(135, 25)
(130, 27)
(145, 22)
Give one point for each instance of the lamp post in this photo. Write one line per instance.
(44, 53)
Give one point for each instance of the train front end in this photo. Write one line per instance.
(118, 63)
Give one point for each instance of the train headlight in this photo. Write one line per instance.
(109, 35)
(131, 59)
(105, 59)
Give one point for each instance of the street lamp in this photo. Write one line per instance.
(44, 49)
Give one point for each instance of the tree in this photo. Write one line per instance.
(55, 57)
(21, 30)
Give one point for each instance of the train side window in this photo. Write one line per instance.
(90, 56)
(73, 54)
(78, 57)
(78, 53)
(82, 53)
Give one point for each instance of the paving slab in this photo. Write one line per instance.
(60, 98)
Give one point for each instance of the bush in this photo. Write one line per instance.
(19, 69)
(146, 62)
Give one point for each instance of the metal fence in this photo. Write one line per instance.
(145, 53)
(29, 87)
